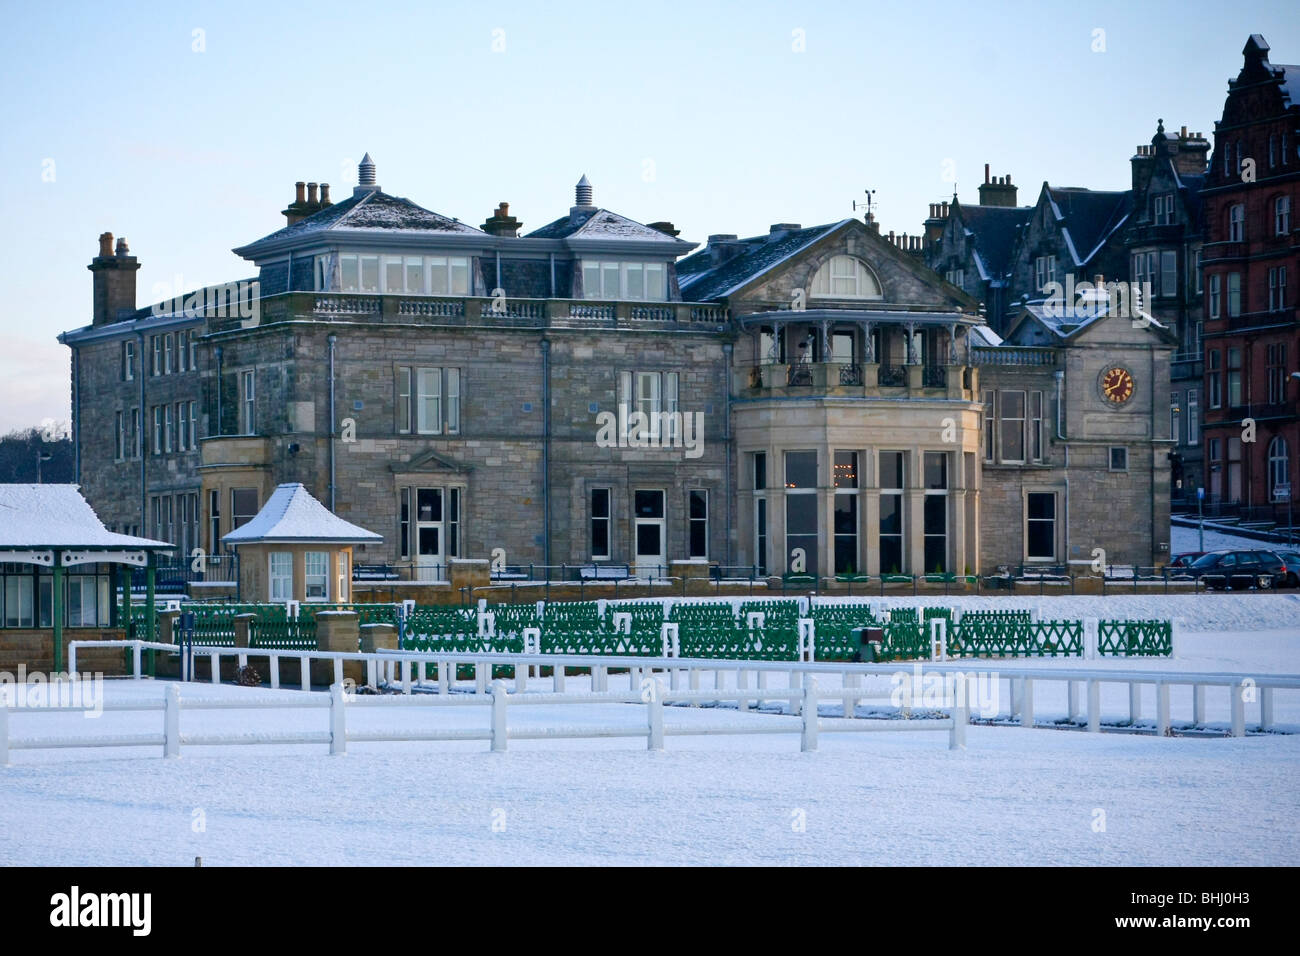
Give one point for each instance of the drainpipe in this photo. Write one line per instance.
(1151, 377)
(333, 340)
(218, 430)
(726, 440)
(76, 415)
(139, 371)
(546, 453)
(1065, 450)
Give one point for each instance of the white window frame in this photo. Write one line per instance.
(1044, 271)
(1056, 513)
(1237, 222)
(279, 580)
(128, 360)
(310, 578)
(1282, 215)
(845, 277)
(248, 401)
(624, 279)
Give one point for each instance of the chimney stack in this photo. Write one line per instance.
(325, 195)
(311, 196)
(666, 228)
(723, 246)
(501, 223)
(997, 191)
(114, 272)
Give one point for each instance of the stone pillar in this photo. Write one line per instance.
(168, 625)
(871, 531)
(243, 629)
(375, 637)
(469, 573)
(337, 631)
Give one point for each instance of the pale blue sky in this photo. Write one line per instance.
(700, 113)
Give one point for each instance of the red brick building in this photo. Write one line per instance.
(1251, 260)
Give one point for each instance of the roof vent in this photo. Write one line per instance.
(582, 192)
(366, 171)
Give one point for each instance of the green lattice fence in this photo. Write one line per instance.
(440, 621)
(781, 613)
(647, 618)
(595, 641)
(1015, 638)
(905, 641)
(299, 635)
(366, 613)
(1135, 638)
(717, 615)
(738, 643)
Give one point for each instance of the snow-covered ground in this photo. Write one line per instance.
(1014, 796)
(1188, 539)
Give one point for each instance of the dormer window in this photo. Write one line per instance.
(392, 275)
(1164, 209)
(845, 277)
(644, 281)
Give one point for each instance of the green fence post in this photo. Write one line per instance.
(58, 611)
(150, 610)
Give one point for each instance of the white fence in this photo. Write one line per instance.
(686, 677)
(653, 696)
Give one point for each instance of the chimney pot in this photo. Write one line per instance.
(325, 195)
(105, 244)
(986, 172)
(582, 193)
(311, 194)
(299, 196)
(366, 171)
(122, 248)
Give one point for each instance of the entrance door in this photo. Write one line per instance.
(651, 553)
(430, 537)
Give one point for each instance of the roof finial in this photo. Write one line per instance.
(366, 171)
(582, 192)
(1160, 126)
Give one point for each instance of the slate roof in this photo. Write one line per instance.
(994, 230)
(700, 281)
(597, 223)
(372, 212)
(291, 515)
(1065, 323)
(57, 516)
(1088, 217)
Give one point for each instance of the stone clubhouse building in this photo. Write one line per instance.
(599, 392)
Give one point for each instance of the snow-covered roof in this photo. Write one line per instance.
(701, 280)
(57, 516)
(291, 515)
(600, 224)
(366, 213)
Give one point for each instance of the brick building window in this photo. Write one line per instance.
(652, 395)
(892, 488)
(1276, 359)
(247, 402)
(194, 425)
(1012, 420)
(1169, 273)
(1213, 363)
(167, 354)
(156, 343)
(1118, 456)
(128, 361)
(698, 524)
(1236, 222)
(182, 428)
(1277, 288)
(1234, 378)
(1193, 417)
(1279, 467)
(1234, 294)
(156, 447)
(1164, 209)
(1215, 284)
(1282, 215)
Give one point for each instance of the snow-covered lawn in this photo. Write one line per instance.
(1189, 539)
(1014, 796)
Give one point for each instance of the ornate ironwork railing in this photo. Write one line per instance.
(934, 376)
(893, 376)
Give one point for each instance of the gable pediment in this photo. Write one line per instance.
(430, 462)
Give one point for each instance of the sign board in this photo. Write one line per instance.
(1200, 494)
(1282, 492)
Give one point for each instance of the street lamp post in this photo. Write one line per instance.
(41, 456)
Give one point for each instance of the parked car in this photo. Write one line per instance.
(1239, 570)
(1292, 561)
(1184, 560)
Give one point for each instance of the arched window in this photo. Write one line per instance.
(1279, 465)
(845, 277)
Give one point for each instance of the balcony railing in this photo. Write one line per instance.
(1012, 355)
(893, 376)
(489, 310)
(934, 376)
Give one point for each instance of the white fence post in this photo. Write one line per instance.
(655, 716)
(1162, 708)
(1176, 637)
(1091, 631)
(481, 674)
(72, 657)
(275, 671)
(960, 718)
(444, 677)
(807, 639)
(338, 721)
(1071, 699)
(668, 636)
(499, 729)
(1094, 706)
(1198, 704)
(172, 722)
(304, 668)
(1027, 702)
(214, 662)
(487, 624)
(557, 678)
(4, 731)
(1266, 708)
(938, 639)
(135, 661)
(809, 738)
(621, 621)
(338, 670)
(1134, 702)
(521, 679)
(1236, 692)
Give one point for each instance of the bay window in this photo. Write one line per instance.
(642, 281)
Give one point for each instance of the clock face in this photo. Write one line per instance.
(1117, 385)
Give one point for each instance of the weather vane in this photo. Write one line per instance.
(868, 205)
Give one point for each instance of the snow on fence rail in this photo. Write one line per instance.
(409, 670)
(653, 696)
